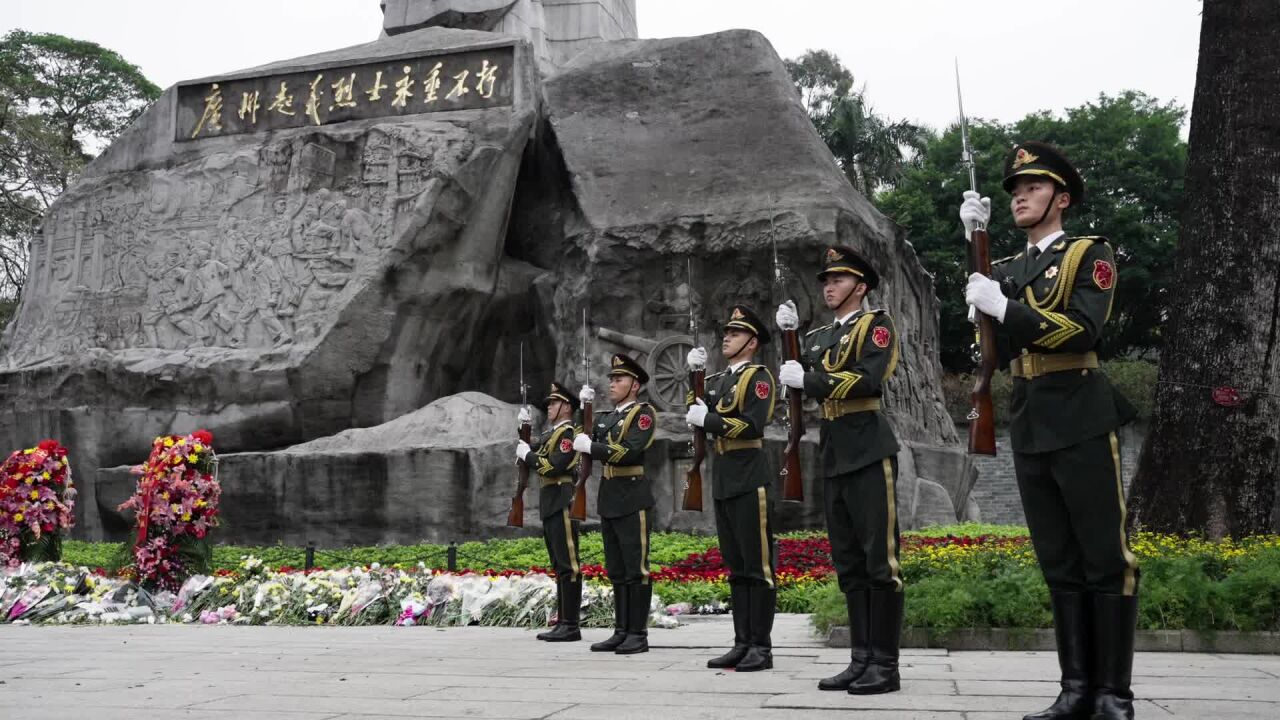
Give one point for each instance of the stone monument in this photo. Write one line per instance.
(313, 258)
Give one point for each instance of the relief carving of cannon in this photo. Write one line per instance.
(663, 360)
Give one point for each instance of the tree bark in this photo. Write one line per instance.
(1207, 467)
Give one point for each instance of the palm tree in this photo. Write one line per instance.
(872, 150)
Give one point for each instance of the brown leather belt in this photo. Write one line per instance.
(562, 480)
(724, 445)
(1033, 365)
(832, 409)
(613, 471)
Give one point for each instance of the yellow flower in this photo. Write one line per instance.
(35, 495)
(197, 447)
(186, 517)
(175, 507)
(193, 458)
(182, 441)
(30, 481)
(17, 517)
(201, 503)
(48, 505)
(168, 442)
(28, 451)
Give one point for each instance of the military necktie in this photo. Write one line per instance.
(1033, 253)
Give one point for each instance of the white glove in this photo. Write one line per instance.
(697, 414)
(792, 374)
(696, 359)
(582, 443)
(525, 416)
(984, 294)
(586, 394)
(522, 450)
(974, 211)
(787, 317)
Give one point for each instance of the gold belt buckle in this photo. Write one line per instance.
(1031, 366)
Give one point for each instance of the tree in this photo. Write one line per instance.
(872, 150)
(1213, 466)
(61, 102)
(1132, 159)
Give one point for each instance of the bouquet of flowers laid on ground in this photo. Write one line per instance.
(37, 503)
(176, 505)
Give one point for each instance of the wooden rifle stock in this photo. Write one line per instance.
(982, 423)
(693, 479)
(515, 518)
(578, 511)
(792, 481)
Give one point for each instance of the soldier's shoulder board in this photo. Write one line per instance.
(1004, 260)
(1095, 238)
(716, 375)
(819, 329)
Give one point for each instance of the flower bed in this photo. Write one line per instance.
(57, 593)
(973, 576)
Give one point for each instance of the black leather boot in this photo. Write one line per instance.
(559, 611)
(567, 629)
(881, 675)
(740, 605)
(760, 656)
(637, 640)
(858, 605)
(1115, 619)
(619, 621)
(1072, 630)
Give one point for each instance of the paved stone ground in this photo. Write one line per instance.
(255, 673)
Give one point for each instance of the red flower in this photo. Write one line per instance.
(48, 445)
(203, 436)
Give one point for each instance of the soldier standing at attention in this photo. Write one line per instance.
(848, 363)
(741, 406)
(554, 460)
(625, 505)
(1050, 302)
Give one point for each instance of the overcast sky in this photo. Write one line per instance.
(1016, 57)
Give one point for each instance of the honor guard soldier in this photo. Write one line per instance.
(619, 440)
(739, 406)
(554, 460)
(848, 363)
(1050, 302)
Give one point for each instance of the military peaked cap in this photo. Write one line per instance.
(839, 258)
(626, 365)
(558, 392)
(1038, 158)
(744, 318)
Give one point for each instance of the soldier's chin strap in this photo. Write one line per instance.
(742, 347)
(1057, 190)
(850, 294)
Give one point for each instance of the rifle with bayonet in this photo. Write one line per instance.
(692, 499)
(578, 510)
(515, 517)
(792, 482)
(982, 426)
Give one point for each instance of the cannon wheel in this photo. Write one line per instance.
(668, 376)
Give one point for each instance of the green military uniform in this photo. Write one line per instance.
(1064, 415)
(625, 504)
(740, 404)
(848, 363)
(554, 460)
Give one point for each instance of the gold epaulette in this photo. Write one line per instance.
(824, 327)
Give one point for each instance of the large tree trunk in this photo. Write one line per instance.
(1207, 467)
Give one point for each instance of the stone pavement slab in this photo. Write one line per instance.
(305, 673)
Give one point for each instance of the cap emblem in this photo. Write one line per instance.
(1022, 157)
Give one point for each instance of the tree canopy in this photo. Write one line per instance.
(61, 101)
